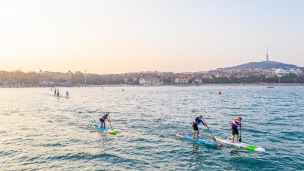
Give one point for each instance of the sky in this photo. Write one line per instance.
(119, 36)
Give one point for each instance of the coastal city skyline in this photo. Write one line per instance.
(112, 37)
(253, 72)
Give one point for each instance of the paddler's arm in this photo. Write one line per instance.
(204, 124)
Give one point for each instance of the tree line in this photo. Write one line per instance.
(115, 79)
(289, 78)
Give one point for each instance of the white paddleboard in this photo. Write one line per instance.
(241, 145)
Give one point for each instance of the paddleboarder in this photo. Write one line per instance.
(196, 122)
(237, 122)
(103, 119)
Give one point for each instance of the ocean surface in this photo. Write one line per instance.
(40, 132)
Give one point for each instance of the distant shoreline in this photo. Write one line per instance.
(181, 85)
(210, 85)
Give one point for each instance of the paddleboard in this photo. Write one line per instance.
(61, 96)
(241, 145)
(66, 97)
(104, 130)
(200, 141)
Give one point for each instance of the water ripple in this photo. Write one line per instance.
(46, 133)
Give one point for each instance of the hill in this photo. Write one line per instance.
(261, 65)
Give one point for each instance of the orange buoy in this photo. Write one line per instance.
(219, 92)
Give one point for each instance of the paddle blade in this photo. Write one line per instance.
(251, 147)
(240, 139)
(113, 132)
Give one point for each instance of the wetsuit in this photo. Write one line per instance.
(234, 127)
(103, 118)
(196, 122)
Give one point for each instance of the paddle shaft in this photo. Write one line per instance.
(209, 130)
(110, 122)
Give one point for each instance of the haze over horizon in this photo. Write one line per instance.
(138, 35)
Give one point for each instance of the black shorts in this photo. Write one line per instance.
(234, 131)
(194, 126)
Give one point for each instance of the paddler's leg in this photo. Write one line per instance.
(233, 133)
(195, 129)
(237, 135)
(194, 132)
(101, 123)
(197, 132)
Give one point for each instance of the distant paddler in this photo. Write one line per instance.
(58, 93)
(196, 122)
(55, 92)
(237, 122)
(103, 119)
(67, 93)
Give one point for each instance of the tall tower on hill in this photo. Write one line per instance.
(85, 77)
(267, 58)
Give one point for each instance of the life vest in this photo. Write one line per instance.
(196, 122)
(235, 124)
(103, 118)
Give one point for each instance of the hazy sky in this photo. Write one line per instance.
(111, 36)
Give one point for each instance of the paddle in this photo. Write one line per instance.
(228, 135)
(240, 139)
(110, 122)
(209, 129)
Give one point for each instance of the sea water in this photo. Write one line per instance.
(42, 132)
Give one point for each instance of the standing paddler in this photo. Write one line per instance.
(103, 120)
(196, 122)
(237, 122)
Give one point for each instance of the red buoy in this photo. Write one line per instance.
(219, 92)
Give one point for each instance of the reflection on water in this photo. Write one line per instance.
(104, 137)
(197, 159)
(195, 149)
(234, 161)
(235, 153)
